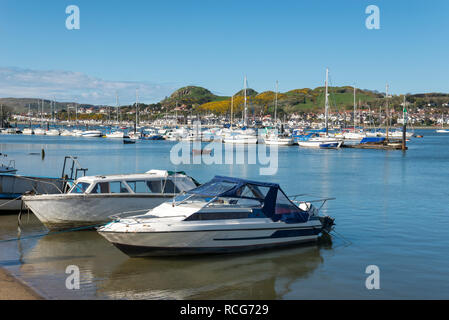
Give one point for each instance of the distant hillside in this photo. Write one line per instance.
(293, 101)
(21, 105)
(190, 96)
(298, 100)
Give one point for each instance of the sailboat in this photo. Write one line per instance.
(442, 130)
(321, 142)
(274, 138)
(244, 135)
(354, 135)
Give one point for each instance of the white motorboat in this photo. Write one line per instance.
(222, 216)
(53, 132)
(356, 136)
(317, 142)
(240, 139)
(91, 134)
(274, 139)
(66, 133)
(92, 200)
(77, 133)
(39, 132)
(242, 136)
(7, 168)
(116, 134)
(398, 134)
(27, 131)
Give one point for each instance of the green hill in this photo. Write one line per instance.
(191, 96)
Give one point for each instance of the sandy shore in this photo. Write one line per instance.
(13, 289)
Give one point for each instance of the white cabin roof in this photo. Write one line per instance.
(152, 174)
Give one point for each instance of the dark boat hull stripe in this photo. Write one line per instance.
(143, 251)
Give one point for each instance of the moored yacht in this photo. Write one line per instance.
(39, 132)
(92, 199)
(224, 215)
(116, 134)
(91, 134)
(27, 131)
(275, 139)
(317, 142)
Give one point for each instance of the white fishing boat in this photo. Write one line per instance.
(93, 199)
(222, 216)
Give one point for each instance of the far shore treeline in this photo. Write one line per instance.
(200, 101)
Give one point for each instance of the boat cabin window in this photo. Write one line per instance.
(284, 205)
(110, 187)
(170, 187)
(153, 186)
(80, 187)
(139, 186)
(102, 187)
(117, 187)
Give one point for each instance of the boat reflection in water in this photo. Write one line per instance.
(107, 273)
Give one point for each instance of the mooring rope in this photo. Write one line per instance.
(41, 181)
(341, 236)
(53, 233)
(4, 204)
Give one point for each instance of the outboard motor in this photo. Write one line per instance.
(327, 223)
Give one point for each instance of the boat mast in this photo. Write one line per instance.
(354, 108)
(116, 102)
(232, 109)
(276, 104)
(137, 109)
(245, 109)
(387, 111)
(326, 103)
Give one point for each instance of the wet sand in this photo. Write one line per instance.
(13, 289)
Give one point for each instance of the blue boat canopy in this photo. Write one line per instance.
(372, 140)
(275, 204)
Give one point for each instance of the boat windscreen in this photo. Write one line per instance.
(214, 189)
(80, 187)
(184, 184)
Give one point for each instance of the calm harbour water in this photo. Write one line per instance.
(391, 208)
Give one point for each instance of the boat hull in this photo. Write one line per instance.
(332, 144)
(64, 211)
(145, 244)
(279, 142)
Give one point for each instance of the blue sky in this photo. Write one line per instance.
(157, 46)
